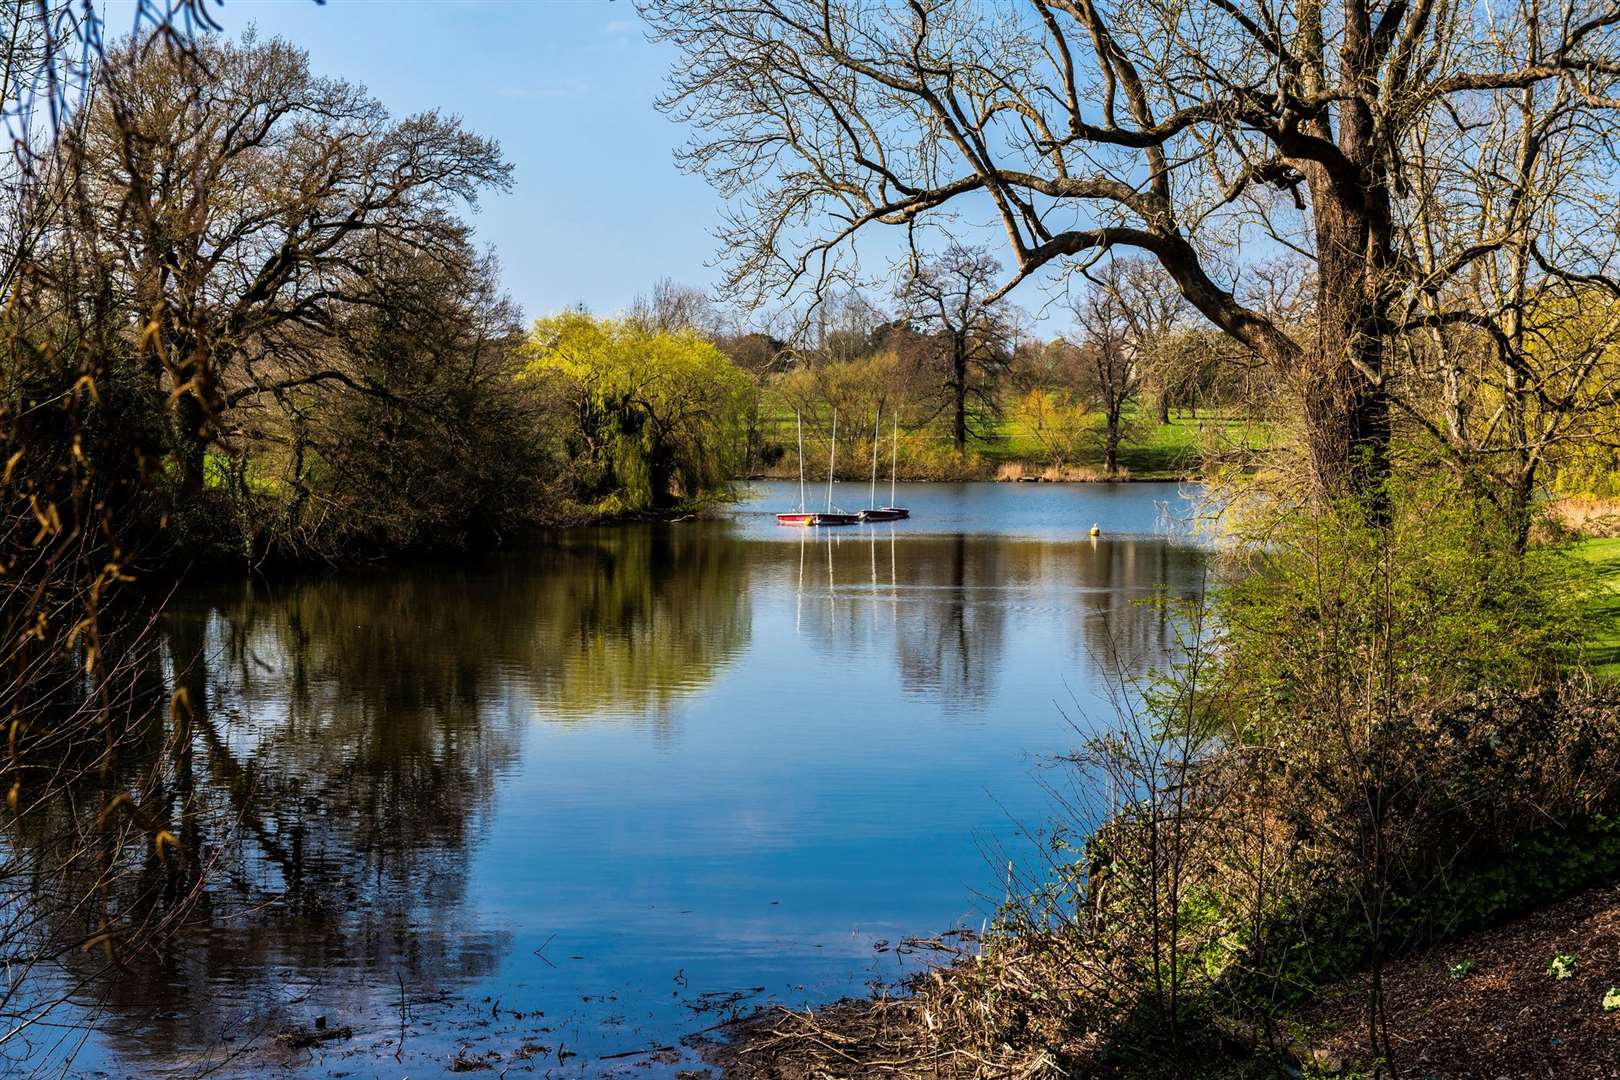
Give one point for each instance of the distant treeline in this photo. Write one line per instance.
(258, 288)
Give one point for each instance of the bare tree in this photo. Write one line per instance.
(1507, 419)
(671, 307)
(844, 325)
(1530, 374)
(1336, 129)
(1112, 369)
(235, 197)
(1154, 312)
(968, 333)
(1126, 321)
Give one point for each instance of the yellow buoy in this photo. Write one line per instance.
(1096, 531)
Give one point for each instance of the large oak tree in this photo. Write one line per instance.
(1359, 134)
(966, 334)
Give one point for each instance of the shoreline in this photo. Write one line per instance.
(984, 1004)
(212, 567)
(1081, 476)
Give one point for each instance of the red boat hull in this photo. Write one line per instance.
(885, 513)
(817, 519)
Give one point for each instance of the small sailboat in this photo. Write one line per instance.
(799, 516)
(834, 517)
(890, 512)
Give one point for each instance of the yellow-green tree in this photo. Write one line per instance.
(657, 418)
(1059, 421)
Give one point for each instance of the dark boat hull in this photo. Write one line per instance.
(837, 519)
(885, 513)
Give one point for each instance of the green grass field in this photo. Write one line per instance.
(1148, 451)
(1603, 555)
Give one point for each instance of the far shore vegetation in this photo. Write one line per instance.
(247, 325)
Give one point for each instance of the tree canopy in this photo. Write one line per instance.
(658, 416)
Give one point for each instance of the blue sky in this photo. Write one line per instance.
(598, 210)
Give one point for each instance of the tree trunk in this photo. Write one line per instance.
(1111, 444)
(960, 387)
(192, 445)
(1521, 506)
(1347, 420)
(663, 477)
(196, 405)
(1163, 401)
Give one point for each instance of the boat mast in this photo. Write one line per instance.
(798, 422)
(871, 499)
(832, 457)
(894, 458)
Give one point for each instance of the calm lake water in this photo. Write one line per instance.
(592, 796)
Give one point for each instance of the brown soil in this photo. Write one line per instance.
(1587, 516)
(1507, 1018)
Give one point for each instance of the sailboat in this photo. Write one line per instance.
(829, 516)
(834, 517)
(799, 516)
(890, 512)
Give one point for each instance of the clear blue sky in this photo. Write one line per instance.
(598, 210)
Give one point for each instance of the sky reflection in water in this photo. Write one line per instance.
(599, 779)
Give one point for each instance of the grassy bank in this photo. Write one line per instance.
(1603, 602)
(1011, 449)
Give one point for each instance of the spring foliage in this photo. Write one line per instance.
(657, 418)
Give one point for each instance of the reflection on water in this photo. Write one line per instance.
(596, 780)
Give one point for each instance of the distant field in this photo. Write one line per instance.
(1149, 450)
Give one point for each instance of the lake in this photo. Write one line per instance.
(591, 797)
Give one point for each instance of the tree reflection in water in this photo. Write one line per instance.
(341, 752)
(349, 738)
(948, 600)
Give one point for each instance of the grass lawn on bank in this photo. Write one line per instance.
(1148, 450)
(1603, 555)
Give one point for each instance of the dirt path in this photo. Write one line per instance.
(1507, 1017)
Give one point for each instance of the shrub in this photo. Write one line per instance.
(1369, 717)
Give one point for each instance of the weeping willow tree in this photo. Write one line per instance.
(658, 419)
